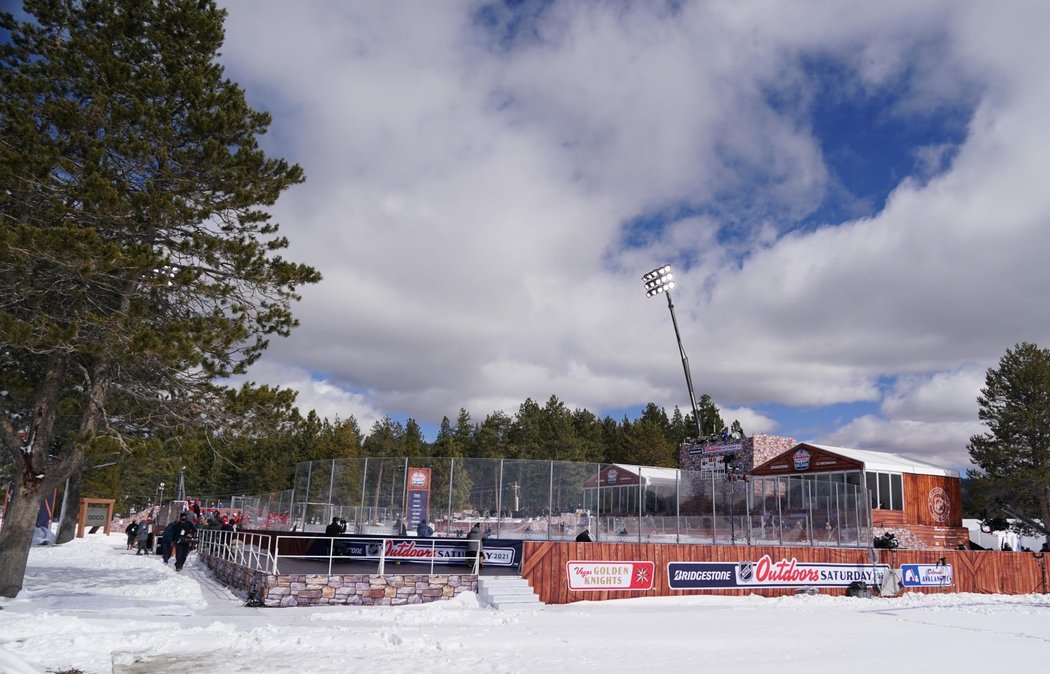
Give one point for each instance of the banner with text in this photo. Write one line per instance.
(768, 573)
(926, 575)
(610, 575)
(501, 553)
(418, 496)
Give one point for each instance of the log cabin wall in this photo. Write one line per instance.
(984, 572)
(933, 500)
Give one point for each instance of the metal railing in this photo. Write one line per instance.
(251, 550)
(376, 550)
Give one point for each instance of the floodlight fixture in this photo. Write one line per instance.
(658, 281)
(661, 280)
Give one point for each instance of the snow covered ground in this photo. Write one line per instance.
(95, 607)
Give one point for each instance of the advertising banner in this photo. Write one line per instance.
(768, 573)
(418, 496)
(926, 575)
(610, 575)
(496, 553)
(714, 448)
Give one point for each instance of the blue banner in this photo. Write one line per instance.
(447, 551)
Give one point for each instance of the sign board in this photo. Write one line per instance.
(715, 448)
(926, 575)
(418, 496)
(496, 553)
(96, 515)
(610, 575)
(769, 573)
(94, 512)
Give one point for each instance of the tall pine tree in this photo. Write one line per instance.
(137, 262)
(1014, 455)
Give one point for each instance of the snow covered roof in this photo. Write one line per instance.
(887, 462)
(648, 475)
(651, 473)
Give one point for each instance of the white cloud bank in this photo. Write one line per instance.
(467, 198)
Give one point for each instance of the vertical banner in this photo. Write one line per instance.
(418, 496)
(47, 511)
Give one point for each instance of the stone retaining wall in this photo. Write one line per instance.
(363, 589)
(341, 589)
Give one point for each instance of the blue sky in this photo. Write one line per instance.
(851, 195)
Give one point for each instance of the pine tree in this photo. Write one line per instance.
(137, 264)
(1014, 454)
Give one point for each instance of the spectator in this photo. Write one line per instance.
(184, 534)
(167, 540)
(424, 530)
(132, 531)
(333, 529)
(142, 536)
(475, 547)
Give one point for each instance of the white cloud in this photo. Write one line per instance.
(941, 443)
(466, 206)
(314, 392)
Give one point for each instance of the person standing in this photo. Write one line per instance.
(132, 531)
(184, 534)
(142, 536)
(474, 546)
(333, 529)
(167, 540)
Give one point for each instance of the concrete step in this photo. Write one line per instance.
(507, 593)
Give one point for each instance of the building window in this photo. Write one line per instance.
(886, 490)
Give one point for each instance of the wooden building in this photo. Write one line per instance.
(920, 502)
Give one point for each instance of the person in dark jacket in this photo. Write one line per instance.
(334, 529)
(474, 546)
(167, 540)
(142, 537)
(132, 531)
(184, 534)
(424, 530)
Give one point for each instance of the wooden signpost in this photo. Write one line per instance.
(94, 513)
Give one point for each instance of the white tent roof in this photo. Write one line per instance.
(887, 462)
(650, 474)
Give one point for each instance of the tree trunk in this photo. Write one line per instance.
(67, 526)
(17, 537)
(1044, 507)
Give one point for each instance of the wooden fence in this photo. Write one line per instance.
(985, 572)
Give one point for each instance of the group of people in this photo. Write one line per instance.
(176, 539)
(140, 535)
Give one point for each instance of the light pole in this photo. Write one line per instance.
(661, 280)
(181, 490)
(160, 501)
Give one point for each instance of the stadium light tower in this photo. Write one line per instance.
(661, 280)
